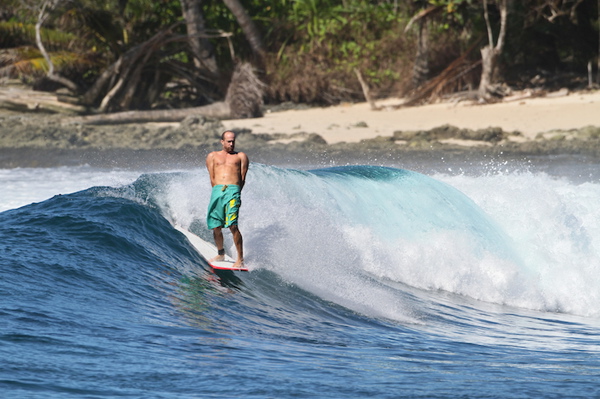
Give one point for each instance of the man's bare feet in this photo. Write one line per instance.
(218, 258)
(239, 263)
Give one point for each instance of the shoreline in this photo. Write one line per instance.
(355, 122)
(296, 158)
(567, 124)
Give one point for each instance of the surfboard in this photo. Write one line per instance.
(209, 251)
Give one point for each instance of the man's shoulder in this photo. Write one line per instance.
(239, 154)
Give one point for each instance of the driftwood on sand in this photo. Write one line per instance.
(15, 97)
(218, 110)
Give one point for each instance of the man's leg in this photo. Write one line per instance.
(218, 237)
(239, 245)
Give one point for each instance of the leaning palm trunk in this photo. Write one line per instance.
(128, 68)
(248, 27)
(200, 46)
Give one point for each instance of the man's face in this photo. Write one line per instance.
(228, 142)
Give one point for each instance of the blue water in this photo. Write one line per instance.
(365, 282)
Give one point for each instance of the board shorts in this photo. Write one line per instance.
(224, 206)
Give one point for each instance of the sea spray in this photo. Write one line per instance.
(554, 225)
(524, 240)
(330, 231)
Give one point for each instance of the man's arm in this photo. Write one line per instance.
(244, 162)
(210, 162)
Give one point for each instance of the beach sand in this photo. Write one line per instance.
(352, 123)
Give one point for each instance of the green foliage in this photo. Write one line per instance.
(18, 32)
(325, 41)
(27, 63)
(313, 46)
(319, 20)
(458, 15)
(20, 59)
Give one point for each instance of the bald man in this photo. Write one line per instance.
(227, 169)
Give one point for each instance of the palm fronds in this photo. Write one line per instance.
(20, 33)
(26, 62)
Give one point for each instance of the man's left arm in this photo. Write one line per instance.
(244, 162)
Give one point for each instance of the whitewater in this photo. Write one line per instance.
(441, 279)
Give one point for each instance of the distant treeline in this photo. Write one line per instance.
(118, 55)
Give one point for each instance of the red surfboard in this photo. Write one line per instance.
(209, 251)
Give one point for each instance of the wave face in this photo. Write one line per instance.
(377, 271)
(347, 233)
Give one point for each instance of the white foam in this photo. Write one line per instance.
(520, 239)
(555, 227)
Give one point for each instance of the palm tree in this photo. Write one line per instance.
(249, 28)
(201, 48)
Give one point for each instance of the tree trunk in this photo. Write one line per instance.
(366, 90)
(250, 30)
(421, 66)
(244, 100)
(126, 63)
(131, 88)
(38, 39)
(201, 47)
(219, 110)
(93, 94)
(488, 63)
(489, 53)
(128, 68)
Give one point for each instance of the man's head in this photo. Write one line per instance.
(228, 141)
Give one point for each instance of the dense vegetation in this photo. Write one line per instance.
(143, 54)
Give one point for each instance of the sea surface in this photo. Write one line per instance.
(428, 280)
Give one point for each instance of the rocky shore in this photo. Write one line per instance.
(30, 139)
(35, 141)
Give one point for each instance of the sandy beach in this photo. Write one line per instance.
(354, 122)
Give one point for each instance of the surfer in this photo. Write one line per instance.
(227, 169)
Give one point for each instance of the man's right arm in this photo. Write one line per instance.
(210, 161)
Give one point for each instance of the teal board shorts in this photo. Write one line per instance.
(224, 206)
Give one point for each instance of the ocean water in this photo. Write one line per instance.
(460, 280)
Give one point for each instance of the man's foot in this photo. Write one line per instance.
(239, 263)
(218, 258)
